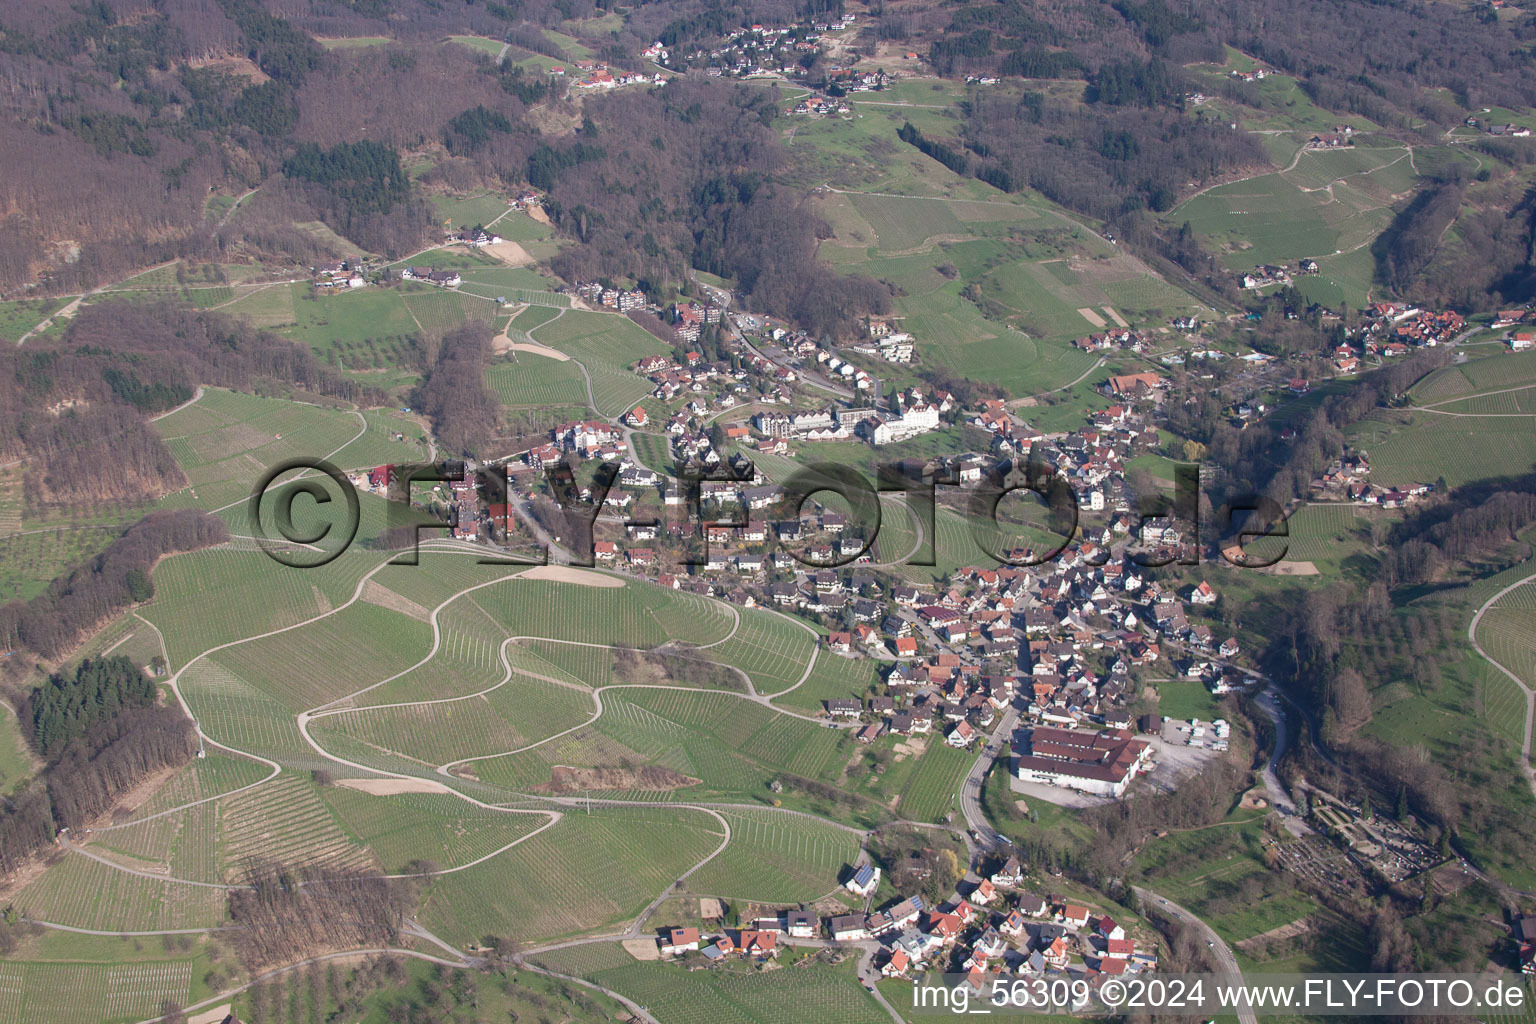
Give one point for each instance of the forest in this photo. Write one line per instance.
(62, 709)
(66, 405)
(454, 395)
(683, 177)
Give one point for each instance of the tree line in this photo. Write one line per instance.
(453, 393)
(52, 623)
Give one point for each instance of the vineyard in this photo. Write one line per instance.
(110, 994)
(774, 650)
(508, 717)
(426, 826)
(219, 595)
(84, 893)
(587, 871)
(538, 382)
(777, 857)
(286, 822)
(931, 793)
(326, 659)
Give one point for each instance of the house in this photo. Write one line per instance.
(1203, 594)
(757, 943)
(961, 735)
(605, 550)
(896, 966)
(848, 928)
(865, 880)
(1107, 928)
(844, 708)
(985, 892)
(678, 941)
(1010, 874)
(1228, 648)
(1034, 906)
(1074, 916)
(800, 924)
(904, 646)
(637, 417)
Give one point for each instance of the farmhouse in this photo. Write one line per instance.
(678, 941)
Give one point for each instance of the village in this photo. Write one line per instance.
(998, 926)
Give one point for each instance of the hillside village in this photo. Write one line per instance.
(1000, 925)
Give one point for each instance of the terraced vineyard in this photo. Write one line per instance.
(773, 649)
(84, 893)
(212, 597)
(299, 667)
(511, 716)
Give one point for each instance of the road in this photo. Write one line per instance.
(970, 789)
(1221, 952)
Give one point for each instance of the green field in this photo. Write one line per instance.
(15, 757)
(733, 995)
(588, 871)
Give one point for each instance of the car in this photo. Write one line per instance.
(1212, 945)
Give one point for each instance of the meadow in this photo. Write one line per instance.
(736, 994)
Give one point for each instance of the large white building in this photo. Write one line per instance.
(1101, 763)
(917, 420)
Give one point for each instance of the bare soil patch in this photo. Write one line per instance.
(565, 779)
(566, 574)
(377, 593)
(1280, 934)
(393, 787)
(1294, 569)
(1093, 318)
(509, 253)
(213, 1016)
(642, 949)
